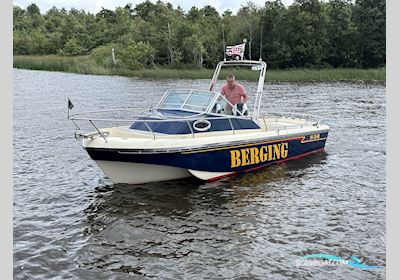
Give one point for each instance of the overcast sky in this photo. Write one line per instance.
(95, 5)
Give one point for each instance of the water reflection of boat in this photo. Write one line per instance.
(275, 173)
(188, 133)
(188, 196)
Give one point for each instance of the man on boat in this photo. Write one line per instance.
(233, 92)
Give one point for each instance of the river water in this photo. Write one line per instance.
(72, 222)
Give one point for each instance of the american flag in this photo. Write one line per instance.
(235, 50)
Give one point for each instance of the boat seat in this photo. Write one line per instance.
(217, 109)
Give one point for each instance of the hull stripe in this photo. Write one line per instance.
(252, 144)
(245, 145)
(308, 141)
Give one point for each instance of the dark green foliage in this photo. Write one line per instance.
(308, 33)
(72, 47)
(370, 21)
(341, 50)
(127, 53)
(274, 30)
(132, 55)
(102, 55)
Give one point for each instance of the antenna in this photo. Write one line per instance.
(261, 33)
(223, 41)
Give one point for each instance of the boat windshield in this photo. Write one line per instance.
(190, 100)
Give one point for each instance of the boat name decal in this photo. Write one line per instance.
(256, 155)
(315, 136)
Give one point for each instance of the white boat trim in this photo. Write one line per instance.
(209, 176)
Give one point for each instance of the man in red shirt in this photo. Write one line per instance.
(233, 92)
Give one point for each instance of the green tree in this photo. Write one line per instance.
(37, 42)
(135, 55)
(153, 21)
(73, 48)
(19, 19)
(341, 31)
(193, 47)
(52, 20)
(370, 21)
(33, 12)
(21, 42)
(247, 26)
(306, 31)
(210, 25)
(276, 50)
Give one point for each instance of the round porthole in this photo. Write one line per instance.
(202, 125)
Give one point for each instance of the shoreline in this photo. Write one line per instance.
(84, 65)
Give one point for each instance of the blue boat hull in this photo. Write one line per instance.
(232, 158)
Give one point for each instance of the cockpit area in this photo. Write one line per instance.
(183, 111)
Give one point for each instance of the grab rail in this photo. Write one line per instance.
(154, 134)
(76, 117)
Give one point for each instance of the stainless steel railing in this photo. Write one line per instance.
(83, 116)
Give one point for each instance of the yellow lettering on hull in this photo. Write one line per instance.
(256, 155)
(254, 158)
(245, 157)
(235, 158)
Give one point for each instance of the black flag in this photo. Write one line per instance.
(70, 105)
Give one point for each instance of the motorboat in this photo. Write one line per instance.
(190, 133)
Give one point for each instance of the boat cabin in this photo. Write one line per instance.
(183, 111)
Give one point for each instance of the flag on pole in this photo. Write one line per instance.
(70, 105)
(235, 51)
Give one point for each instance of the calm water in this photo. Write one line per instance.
(71, 222)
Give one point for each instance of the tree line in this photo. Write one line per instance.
(308, 33)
